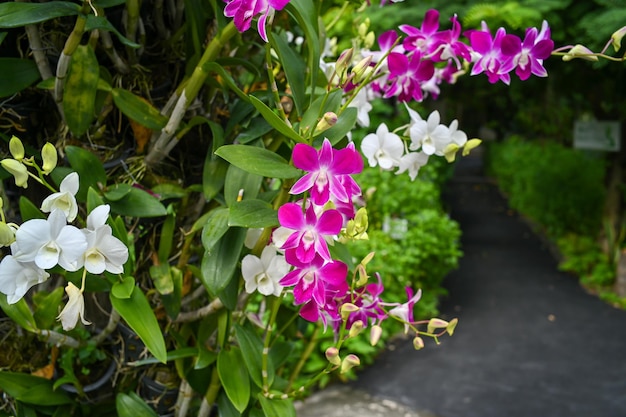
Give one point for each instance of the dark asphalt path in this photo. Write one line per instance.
(530, 340)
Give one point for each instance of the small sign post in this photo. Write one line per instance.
(598, 136)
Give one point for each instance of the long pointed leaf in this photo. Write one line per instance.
(14, 14)
(139, 316)
(81, 86)
(258, 161)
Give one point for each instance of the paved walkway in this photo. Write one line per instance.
(530, 341)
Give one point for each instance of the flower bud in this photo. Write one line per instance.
(16, 148)
(356, 328)
(49, 157)
(471, 144)
(580, 51)
(375, 332)
(344, 60)
(347, 309)
(362, 29)
(18, 170)
(360, 70)
(616, 38)
(332, 354)
(435, 324)
(450, 152)
(451, 326)
(418, 343)
(7, 235)
(326, 122)
(349, 362)
(369, 40)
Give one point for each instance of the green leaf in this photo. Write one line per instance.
(138, 109)
(19, 312)
(117, 192)
(258, 161)
(172, 301)
(162, 278)
(100, 22)
(273, 119)
(131, 405)
(17, 74)
(93, 199)
(226, 78)
(81, 86)
(124, 289)
(214, 171)
(276, 407)
(234, 377)
(14, 14)
(205, 358)
(345, 124)
(172, 355)
(108, 3)
(31, 389)
(140, 318)
(294, 67)
(215, 227)
(28, 210)
(330, 102)
(251, 349)
(46, 306)
(252, 214)
(89, 169)
(239, 183)
(135, 203)
(306, 14)
(218, 265)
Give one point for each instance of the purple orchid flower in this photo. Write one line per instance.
(326, 169)
(406, 76)
(244, 10)
(307, 240)
(528, 56)
(405, 311)
(488, 55)
(423, 38)
(312, 280)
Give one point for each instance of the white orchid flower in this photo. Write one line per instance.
(263, 273)
(429, 135)
(412, 162)
(104, 251)
(50, 242)
(16, 278)
(74, 309)
(65, 199)
(382, 148)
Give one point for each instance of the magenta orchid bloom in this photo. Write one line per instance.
(244, 10)
(406, 76)
(307, 240)
(326, 169)
(490, 58)
(448, 45)
(312, 280)
(369, 302)
(405, 311)
(423, 38)
(528, 56)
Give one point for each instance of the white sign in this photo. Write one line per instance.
(599, 136)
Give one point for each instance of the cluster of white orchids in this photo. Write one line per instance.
(38, 245)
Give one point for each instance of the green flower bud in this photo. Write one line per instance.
(451, 326)
(616, 38)
(344, 60)
(362, 70)
(50, 158)
(7, 234)
(580, 51)
(375, 332)
(326, 122)
(418, 343)
(435, 324)
(349, 362)
(347, 309)
(356, 328)
(471, 144)
(18, 170)
(332, 354)
(16, 148)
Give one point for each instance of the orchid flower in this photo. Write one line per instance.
(104, 251)
(382, 148)
(50, 242)
(528, 56)
(404, 312)
(429, 136)
(244, 10)
(16, 278)
(74, 309)
(488, 55)
(264, 273)
(325, 169)
(65, 199)
(308, 231)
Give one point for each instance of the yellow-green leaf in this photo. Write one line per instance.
(81, 86)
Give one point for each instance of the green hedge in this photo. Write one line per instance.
(560, 188)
